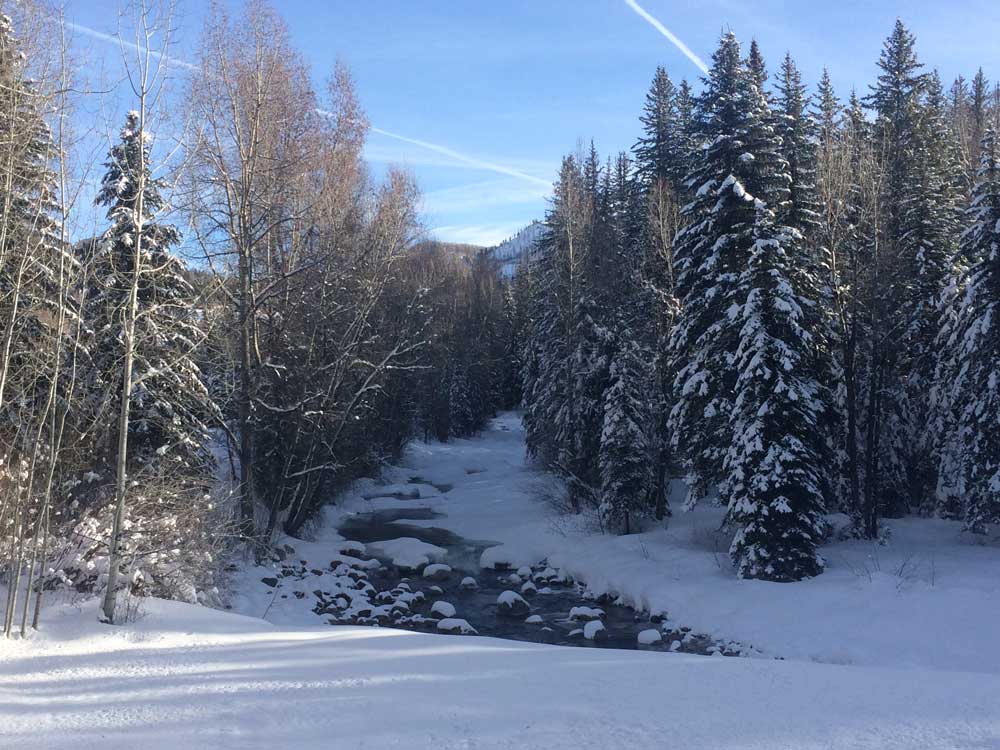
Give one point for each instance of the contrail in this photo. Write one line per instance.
(464, 158)
(436, 148)
(688, 53)
(131, 45)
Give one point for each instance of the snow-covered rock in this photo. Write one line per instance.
(496, 558)
(456, 625)
(529, 589)
(407, 553)
(512, 604)
(443, 609)
(595, 631)
(469, 583)
(351, 548)
(583, 614)
(534, 620)
(649, 637)
(437, 572)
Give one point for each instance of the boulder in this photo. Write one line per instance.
(456, 625)
(595, 631)
(437, 572)
(512, 604)
(443, 609)
(649, 637)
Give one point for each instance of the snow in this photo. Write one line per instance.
(437, 571)
(586, 613)
(185, 676)
(455, 625)
(444, 609)
(592, 629)
(407, 552)
(649, 637)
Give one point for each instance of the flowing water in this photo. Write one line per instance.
(556, 597)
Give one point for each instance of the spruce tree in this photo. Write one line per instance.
(170, 403)
(968, 374)
(773, 465)
(756, 66)
(798, 134)
(657, 152)
(710, 253)
(827, 109)
(31, 248)
(625, 471)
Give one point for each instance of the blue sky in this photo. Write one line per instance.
(516, 84)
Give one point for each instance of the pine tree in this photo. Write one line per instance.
(710, 252)
(798, 148)
(625, 470)
(557, 399)
(967, 376)
(170, 403)
(978, 105)
(31, 246)
(756, 66)
(897, 100)
(827, 109)
(658, 152)
(927, 250)
(775, 498)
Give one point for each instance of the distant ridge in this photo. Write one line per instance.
(514, 250)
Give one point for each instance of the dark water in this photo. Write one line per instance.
(552, 603)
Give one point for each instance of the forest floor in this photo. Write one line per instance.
(892, 647)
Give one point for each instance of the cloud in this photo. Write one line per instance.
(668, 34)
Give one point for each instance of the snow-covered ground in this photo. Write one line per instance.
(893, 647)
(188, 677)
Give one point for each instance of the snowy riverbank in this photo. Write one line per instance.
(930, 598)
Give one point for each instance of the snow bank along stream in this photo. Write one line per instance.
(392, 573)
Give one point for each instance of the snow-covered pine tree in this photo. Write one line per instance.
(710, 253)
(626, 474)
(170, 403)
(827, 110)
(461, 419)
(559, 276)
(31, 246)
(656, 151)
(757, 67)
(968, 377)
(896, 99)
(773, 466)
(798, 147)
(812, 264)
(772, 478)
(927, 251)
(978, 116)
